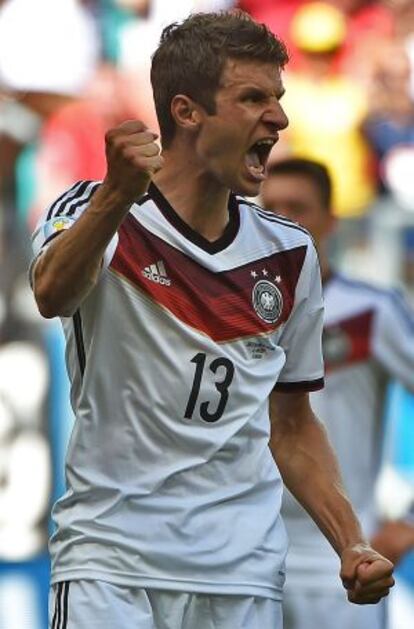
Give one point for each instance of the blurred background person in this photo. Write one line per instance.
(278, 17)
(390, 122)
(366, 22)
(402, 12)
(369, 23)
(368, 338)
(389, 128)
(326, 109)
(40, 80)
(74, 97)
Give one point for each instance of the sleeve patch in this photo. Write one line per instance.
(57, 225)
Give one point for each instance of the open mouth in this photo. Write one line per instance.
(257, 156)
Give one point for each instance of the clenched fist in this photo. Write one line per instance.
(366, 575)
(133, 157)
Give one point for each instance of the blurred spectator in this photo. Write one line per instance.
(67, 97)
(326, 109)
(390, 129)
(278, 17)
(43, 74)
(403, 15)
(369, 23)
(391, 121)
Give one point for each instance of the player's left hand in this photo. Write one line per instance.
(366, 575)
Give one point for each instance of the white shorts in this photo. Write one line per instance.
(307, 609)
(102, 605)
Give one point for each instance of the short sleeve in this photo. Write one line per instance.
(393, 338)
(301, 338)
(63, 214)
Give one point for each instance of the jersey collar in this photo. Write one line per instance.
(185, 230)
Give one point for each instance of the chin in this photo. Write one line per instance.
(247, 189)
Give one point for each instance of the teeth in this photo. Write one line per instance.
(254, 166)
(255, 159)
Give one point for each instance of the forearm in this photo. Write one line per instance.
(69, 268)
(309, 469)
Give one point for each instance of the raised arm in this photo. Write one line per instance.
(309, 469)
(68, 268)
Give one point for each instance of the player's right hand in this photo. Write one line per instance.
(133, 157)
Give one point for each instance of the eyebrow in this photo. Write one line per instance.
(279, 93)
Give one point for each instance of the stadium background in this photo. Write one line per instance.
(69, 69)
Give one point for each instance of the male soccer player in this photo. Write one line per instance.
(185, 310)
(368, 337)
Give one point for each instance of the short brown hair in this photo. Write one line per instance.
(191, 56)
(316, 172)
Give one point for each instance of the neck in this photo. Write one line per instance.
(199, 199)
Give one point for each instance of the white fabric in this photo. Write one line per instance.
(351, 407)
(47, 46)
(100, 605)
(159, 495)
(304, 609)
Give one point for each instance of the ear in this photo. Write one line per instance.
(186, 113)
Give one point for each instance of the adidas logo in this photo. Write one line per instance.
(157, 273)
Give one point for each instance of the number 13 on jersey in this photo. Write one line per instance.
(223, 370)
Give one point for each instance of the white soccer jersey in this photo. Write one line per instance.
(368, 338)
(172, 357)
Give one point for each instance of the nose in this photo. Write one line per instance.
(275, 116)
